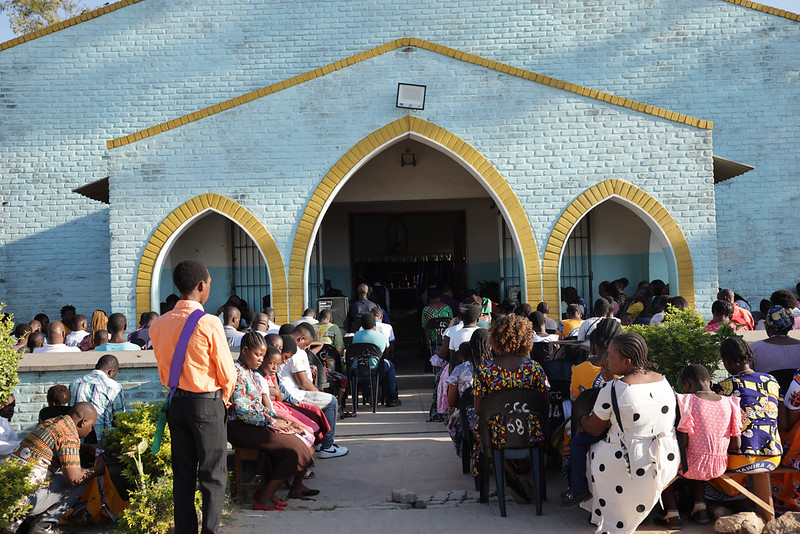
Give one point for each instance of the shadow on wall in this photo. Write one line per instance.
(67, 264)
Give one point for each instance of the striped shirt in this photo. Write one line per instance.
(53, 444)
(103, 392)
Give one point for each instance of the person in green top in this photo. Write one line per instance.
(328, 332)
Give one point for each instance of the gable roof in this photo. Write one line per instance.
(393, 45)
(83, 17)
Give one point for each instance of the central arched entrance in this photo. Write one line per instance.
(421, 208)
(518, 241)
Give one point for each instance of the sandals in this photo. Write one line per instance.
(260, 508)
(347, 415)
(280, 503)
(672, 523)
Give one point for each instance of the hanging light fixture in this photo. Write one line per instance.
(411, 96)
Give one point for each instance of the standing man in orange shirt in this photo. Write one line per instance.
(197, 412)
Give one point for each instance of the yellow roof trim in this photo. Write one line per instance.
(77, 19)
(766, 9)
(393, 45)
(89, 15)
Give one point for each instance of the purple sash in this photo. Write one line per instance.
(179, 356)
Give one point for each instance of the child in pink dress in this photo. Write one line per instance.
(711, 425)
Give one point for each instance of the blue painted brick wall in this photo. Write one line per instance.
(63, 95)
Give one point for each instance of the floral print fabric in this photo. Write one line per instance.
(490, 378)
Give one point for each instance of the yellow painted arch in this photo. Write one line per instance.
(234, 211)
(504, 196)
(591, 198)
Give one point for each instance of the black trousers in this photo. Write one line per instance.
(199, 444)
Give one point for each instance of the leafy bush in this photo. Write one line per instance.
(149, 475)
(131, 428)
(150, 503)
(679, 341)
(150, 508)
(14, 477)
(9, 358)
(15, 486)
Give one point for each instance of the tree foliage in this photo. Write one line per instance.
(27, 16)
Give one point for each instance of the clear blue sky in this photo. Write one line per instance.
(5, 31)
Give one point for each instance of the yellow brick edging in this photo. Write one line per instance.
(77, 19)
(589, 199)
(394, 45)
(232, 210)
(303, 240)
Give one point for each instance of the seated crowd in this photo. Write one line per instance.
(624, 436)
(277, 404)
(630, 434)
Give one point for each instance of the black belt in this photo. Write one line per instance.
(202, 395)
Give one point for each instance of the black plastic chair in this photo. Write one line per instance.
(513, 405)
(541, 352)
(467, 399)
(438, 325)
(322, 377)
(361, 354)
(329, 353)
(784, 378)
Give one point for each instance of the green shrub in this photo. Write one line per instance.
(149, 475)
(15, 486)
(679, 341)
(9, 358)
(150, 508)
(14, 483)
(131, 428)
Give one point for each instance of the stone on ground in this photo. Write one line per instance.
(741, 523)
(788, 523)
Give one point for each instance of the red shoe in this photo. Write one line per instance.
(257, 506)
(279, 502)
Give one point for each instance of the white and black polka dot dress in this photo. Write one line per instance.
(626, 479)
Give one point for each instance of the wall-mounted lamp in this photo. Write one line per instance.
(410, 96)
(408, 158)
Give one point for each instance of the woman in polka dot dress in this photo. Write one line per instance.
(633, 464)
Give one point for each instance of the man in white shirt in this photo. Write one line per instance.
(75, 337)
(295, 376)
(470, 312)
(272, 328)
(309, 316)
(231, 317)
(55, 340)
(9, 441)
(602, 309)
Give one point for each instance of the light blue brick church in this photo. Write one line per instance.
(298, 146)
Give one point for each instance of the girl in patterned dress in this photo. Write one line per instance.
(511, 339)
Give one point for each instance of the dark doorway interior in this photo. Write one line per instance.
(408, 252)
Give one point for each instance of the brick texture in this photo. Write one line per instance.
(62, 96)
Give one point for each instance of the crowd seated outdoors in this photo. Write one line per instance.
(626, 434)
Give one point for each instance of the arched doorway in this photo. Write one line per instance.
(234, 261)
(243, 230)
(659, 249)
(519, 234)
(597, 250)
(410, 217)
